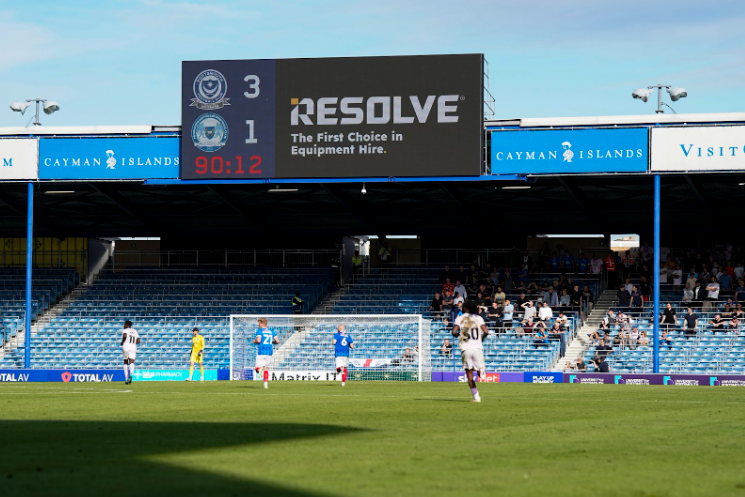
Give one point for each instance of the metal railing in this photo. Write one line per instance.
(125, 259)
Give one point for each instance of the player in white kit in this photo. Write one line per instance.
(130, 341)
(471, 330)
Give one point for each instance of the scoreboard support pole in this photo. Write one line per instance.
(656, 273)
(29, 267)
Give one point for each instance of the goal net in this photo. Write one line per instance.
(386, 347)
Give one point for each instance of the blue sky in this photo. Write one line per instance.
(119, 62)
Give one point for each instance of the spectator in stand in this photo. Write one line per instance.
(460, 289)
(563, 321)
(473, 287)
(540, 337)
(567, 262)
(507, 280)
(588, 299)
(734, 323)
(493, 315)
(569, 367)
(691, 281)
(580, 365)
(499, 296)
(551, 298)
(480, 259)
(636, 298)
(482, 305)
(447, 349)
(739, 271)
(687, 293)
(462, 274)
(495, 277)
(530, 310)
(596, 264)
(554, 263)
(644, 339)
(666, 340)
(545, 313)
(677, 277)
(557, 333)
(610, 269)
(448, 287)
(669, 319)
(691, 322)
(645, 288)
(601, 352)
(633, 338)
(699, 294)
(712, 295)
(437, 306)
(565, 300)
(628, 262)
(725, 281)
(624, 298)
(740, 290)
(523, 274)
(507, 312)
(522, 299)
(717, 324)
(583, 263)
(608, 320)
(628, 286)
(446, 274)
(408, 357)
(526, 328)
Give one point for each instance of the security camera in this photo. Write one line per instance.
(677, 93)
(364, 190)
(642, 93)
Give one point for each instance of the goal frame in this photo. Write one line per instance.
(337, 317)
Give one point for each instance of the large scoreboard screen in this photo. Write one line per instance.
(333, 117)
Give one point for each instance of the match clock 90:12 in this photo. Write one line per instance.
(216, 165)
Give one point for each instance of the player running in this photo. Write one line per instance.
(197, 349)
(471, 330)
(265, 338)
(342, 343)
(130, 341)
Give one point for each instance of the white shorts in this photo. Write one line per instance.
(472, 359)
(129, 354)
(342, 362)
(263, 361)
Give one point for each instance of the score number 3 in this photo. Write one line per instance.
(254, 91)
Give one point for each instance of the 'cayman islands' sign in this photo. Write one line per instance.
(569, 151)
(109, 158)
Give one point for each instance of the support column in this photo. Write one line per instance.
(29, 265)
(656, 276)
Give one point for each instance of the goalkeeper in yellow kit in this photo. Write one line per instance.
(197, 350)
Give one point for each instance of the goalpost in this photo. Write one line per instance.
(305, 351)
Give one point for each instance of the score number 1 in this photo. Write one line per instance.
(255, 90)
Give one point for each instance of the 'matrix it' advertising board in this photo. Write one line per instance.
(333, 117)
(109, 158)
(569, 151)
(18, 158)
(697, 148)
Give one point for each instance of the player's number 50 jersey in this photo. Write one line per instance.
(471, 335)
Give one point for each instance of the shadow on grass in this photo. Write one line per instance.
(88, 458)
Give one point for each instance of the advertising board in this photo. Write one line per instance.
(698, 148)
(569, 151)
(19, 158)
(114, 158)
(332, 117)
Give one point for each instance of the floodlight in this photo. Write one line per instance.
(642, 93)
(20, 106)
(364, 190)
(50, 107)
(677, 93)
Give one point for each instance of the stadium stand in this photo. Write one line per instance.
(164, 305)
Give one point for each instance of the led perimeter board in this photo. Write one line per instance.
(332, 117)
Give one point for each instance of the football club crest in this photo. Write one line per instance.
(210, 89)
(209, 132)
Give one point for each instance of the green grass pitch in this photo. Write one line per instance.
(370, 439)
